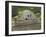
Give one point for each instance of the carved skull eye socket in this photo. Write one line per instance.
(27, 15)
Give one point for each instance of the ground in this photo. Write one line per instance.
(26, 26)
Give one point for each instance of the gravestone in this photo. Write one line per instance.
(27, 17)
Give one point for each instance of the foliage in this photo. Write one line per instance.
(35, 10)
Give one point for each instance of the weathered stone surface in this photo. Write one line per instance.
(27, 21)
